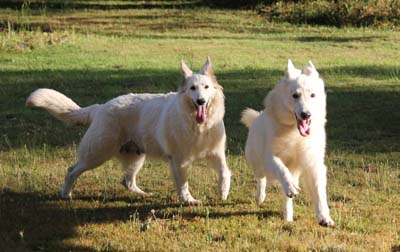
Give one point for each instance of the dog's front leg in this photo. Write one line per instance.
(282, 173)
(289, 183)
(316, 184)
(181, 182)
(218, 162)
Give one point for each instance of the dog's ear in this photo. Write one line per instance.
(207, 68)
(291, 71)
(310, 70)
(185, 70)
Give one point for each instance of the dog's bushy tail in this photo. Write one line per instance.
(249, 116)
(61, 107)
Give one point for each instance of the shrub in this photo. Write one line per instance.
(338, 13)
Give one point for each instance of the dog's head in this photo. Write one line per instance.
(199, 89)
(305, 96)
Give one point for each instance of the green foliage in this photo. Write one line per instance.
(337, 13)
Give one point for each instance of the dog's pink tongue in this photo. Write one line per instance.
(201, 114)
(304, 127)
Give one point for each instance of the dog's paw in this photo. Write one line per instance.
(291, 189)
(139, 191)
(326, 222)
(224, 192)
(65, 196)
(134, 188)
(194, 202)
(188, 199)
(224, 186)
(260, 197)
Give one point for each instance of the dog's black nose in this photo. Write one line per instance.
(305, 115)
(200, 101)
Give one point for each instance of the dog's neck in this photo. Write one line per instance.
(277, 111)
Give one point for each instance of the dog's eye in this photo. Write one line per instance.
(296, 95)
(206, 86)
(192, 88)
(312, 95)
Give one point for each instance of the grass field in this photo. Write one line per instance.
(93, 55)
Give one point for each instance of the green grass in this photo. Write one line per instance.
(94, 55)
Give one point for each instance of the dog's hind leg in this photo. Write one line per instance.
(261, 179)
(93, 151)
(131, 164)
(315, 179)
(73, 173)
(84, 164)
(260, 191)
(218, 162)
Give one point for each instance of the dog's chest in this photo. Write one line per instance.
(201, 142)
(287, 148)
(198, 145)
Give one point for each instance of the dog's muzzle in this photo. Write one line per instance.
(304, 123)
(201, 110)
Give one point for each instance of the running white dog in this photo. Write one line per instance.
(288, 138)
(179, 127)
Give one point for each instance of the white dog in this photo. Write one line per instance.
(288, 138)
(178, 127)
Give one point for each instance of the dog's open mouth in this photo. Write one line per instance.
(201, 113)
(303, 126)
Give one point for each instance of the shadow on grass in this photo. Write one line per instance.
(232, 29)
(131, 4)
(374, 72)
(335, 39)
(157, 25)
(395, 248)
(361, 119)
(99, 5)
(32, 223)
(36, 222)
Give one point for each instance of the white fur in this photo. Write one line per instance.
(135, 126)
(277, 151)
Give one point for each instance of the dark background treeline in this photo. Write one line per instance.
(319, 12)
